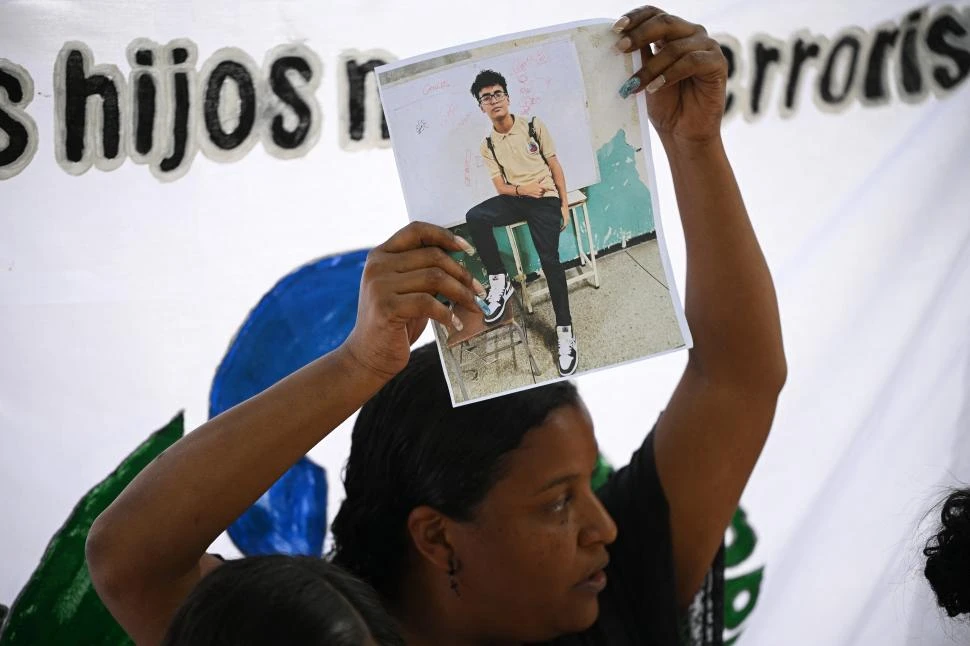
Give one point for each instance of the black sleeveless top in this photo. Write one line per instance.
(638, 606)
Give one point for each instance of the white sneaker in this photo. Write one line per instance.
(568, 357)
(499, 293)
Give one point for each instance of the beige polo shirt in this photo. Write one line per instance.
(519, 155)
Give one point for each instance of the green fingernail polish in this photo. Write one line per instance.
(630, 86)
(482, 305)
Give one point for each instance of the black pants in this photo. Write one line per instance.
(544, 217)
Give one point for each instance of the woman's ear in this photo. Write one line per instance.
(428, 529)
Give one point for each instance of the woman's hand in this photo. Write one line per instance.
(397, 295)
(684, 73)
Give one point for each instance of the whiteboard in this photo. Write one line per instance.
(437, 128)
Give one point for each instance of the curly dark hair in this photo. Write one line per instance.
(948, 555)
(488, 78)
(410, 448)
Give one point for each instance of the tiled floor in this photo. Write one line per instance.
(629, 316)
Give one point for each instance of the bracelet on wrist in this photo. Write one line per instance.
(516, 189)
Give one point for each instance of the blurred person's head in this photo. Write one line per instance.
(278, 599)
(948, 555)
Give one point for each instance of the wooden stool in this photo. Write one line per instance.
(474, 328)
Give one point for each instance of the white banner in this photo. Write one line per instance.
(164, 166)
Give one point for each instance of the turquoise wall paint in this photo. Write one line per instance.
(620, 208)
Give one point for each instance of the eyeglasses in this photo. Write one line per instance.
(494, 97)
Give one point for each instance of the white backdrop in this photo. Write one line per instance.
(120, 293)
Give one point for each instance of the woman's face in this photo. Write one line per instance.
(532, 558)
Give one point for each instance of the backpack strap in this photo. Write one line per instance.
(501, 168)
(535, 137)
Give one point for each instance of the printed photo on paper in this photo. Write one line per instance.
(522, 145)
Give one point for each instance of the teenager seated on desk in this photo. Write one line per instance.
(478, 524)
(521, 159)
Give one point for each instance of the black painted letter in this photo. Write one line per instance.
(88, 137)
(946, 23)
(78, 86)
(287, 93)
(16, 92)
(293, 73)
(832, 97)
(229, 124)
(360, 108)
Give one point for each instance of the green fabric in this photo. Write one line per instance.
(59, 605)
(602, 472)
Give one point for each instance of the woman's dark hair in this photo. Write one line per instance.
(948, 555)
(410, 447)
(488, 78)
(281, 600)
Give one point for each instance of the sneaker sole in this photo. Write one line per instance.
(568, 372)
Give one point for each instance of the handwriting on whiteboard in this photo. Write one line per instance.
(537, 58)
(435, 87)
(529, 83)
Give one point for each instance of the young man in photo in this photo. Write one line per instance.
(521, 158)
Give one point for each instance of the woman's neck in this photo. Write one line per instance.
(432, 616)
(412, 639)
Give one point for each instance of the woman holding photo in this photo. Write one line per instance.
(478, 524)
